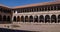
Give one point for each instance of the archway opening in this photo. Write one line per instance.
(22, 18)
(4, 18)
(58, 18)
(47, 19)
(14, 19)
(8, 18)
(31, 19)
(41, 18)
(35, 18)
(18, 19)
(53, 18)
(26, 18)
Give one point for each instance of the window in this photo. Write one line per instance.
(55, 8)
(58, 7)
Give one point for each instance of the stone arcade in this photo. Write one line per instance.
(47, 12)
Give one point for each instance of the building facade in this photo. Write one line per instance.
(47, 12)
(5, 15)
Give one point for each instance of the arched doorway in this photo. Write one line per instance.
(47, 19)
(4, 18)
(8, 18)
(18, 18)
(14, 19)
(58, 18)
(31, 19)
(53, 18)
(26, 18)
(35, 18)
(0, 18)
(22, 18)
(41, 18)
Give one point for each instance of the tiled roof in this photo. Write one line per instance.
(38, 4)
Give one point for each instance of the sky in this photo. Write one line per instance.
(13, 3)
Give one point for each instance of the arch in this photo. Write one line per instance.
(41, 18)
(18, 18)
(26, 18)
(14, 19)
(58, 18)
(35, 18)
(4, 18)
(0, 18)
(47, 18)
(8, 18)
(31, 19)
(22, 18)
(53, 18)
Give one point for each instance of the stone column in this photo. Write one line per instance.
(44, 8)
(44, 18)
(28, 18)
(50, 18)
(33, 9)
(53, 7)
(57, 18)
(24, 19)
(41, 9)
(38, 18)
(50, 7)
(38, 9)
(56, 8)
(47, 8)
(33, 18)
(12, 18)
(20, 18)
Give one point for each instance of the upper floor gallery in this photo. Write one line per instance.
(46, 6)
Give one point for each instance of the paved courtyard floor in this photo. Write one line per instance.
(42, 27)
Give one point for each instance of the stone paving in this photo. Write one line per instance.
(42, 27)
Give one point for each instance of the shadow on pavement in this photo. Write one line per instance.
(11, 30)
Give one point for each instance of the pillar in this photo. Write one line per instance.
(44, 18)
(56, 8)
(44, 8)
(28, 18)
(53, 7)
(12, 18)
(57, 18)
(33, 18)
(41, 9)
(47, 8)
(50, 18)
(24, 19)
(50, 7)
(38, 18)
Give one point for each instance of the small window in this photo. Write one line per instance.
(58, 7)
(51, 7)
(45, 8)
(54, 7)
(48, 8)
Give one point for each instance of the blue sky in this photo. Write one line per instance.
(21, 2)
